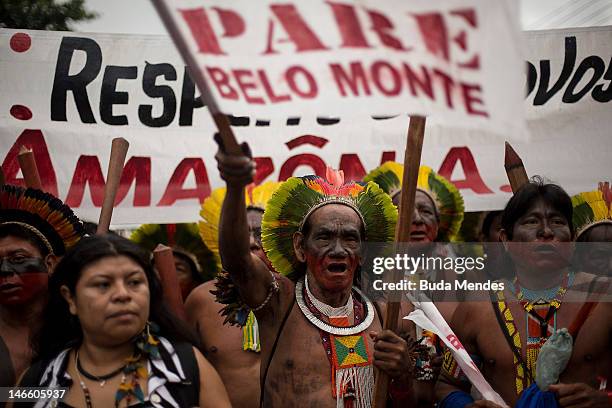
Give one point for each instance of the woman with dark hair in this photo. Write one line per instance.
(109, 338)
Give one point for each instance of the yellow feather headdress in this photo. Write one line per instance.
(256, 197)
(443, 193)
(592, 208)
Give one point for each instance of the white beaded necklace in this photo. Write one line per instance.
(326, 327)
(327, 310)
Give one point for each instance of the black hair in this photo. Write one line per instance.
(195, 275)
(528, 194)
(488, 221)
(586, 234)
(60, 329)
(14, 230)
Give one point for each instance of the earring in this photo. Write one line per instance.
(146, 342)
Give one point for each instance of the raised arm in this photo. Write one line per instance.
(249, 273)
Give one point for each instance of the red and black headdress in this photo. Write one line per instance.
(43, 214)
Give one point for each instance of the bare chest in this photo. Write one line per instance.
(18, 345)
(223, 344)
(501, 347)
(300, 369)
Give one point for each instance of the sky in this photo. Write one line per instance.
(139, 16)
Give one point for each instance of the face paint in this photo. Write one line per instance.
(23, 272)
(254, 218)
(424, 227)
(333, 247)
(21, 265)
(541, 238)
(23, 280)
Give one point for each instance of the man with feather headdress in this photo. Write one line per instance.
(321, 336)
(36, 229)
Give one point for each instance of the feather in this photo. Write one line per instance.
(591, 208)
(445, 195)
(43, 211)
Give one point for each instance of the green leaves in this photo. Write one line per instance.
(43, 14)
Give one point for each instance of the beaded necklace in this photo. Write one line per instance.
(99, 378)
(135, 369)
(539, 310)
(337, 330)
(352, 376)
(326, 309)
(540, 316)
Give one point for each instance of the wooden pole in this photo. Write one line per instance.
(119, 150)
(225, 131)
(584, 312)
(517, 175)
(28, 168)
(412, 162)
(164, 262)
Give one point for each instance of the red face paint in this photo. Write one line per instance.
(333, 246)
(23, 272)
(332, 273)
(22, 288)
(424, 227)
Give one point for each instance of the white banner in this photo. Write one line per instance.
(436, 58)
(66, 95)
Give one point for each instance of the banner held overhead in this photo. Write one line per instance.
(356, 58)
(66, 95)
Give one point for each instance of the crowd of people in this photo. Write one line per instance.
(277, 314)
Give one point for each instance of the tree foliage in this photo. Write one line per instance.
(43, 14)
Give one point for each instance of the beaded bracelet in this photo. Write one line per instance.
(271, 291)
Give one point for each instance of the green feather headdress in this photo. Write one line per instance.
(443, 193)
(592, 208)
(43, 214)
(184, 239)
(298, 197)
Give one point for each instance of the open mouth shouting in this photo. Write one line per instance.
(337, 267)
(418, 235)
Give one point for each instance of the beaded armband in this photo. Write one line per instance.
(272, 289)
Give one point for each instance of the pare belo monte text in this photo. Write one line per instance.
(424, 284)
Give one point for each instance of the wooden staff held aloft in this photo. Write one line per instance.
(119, 150)
(412, 163)
(28, 168)
(517, 175)
(227, 135)
(164, 262)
